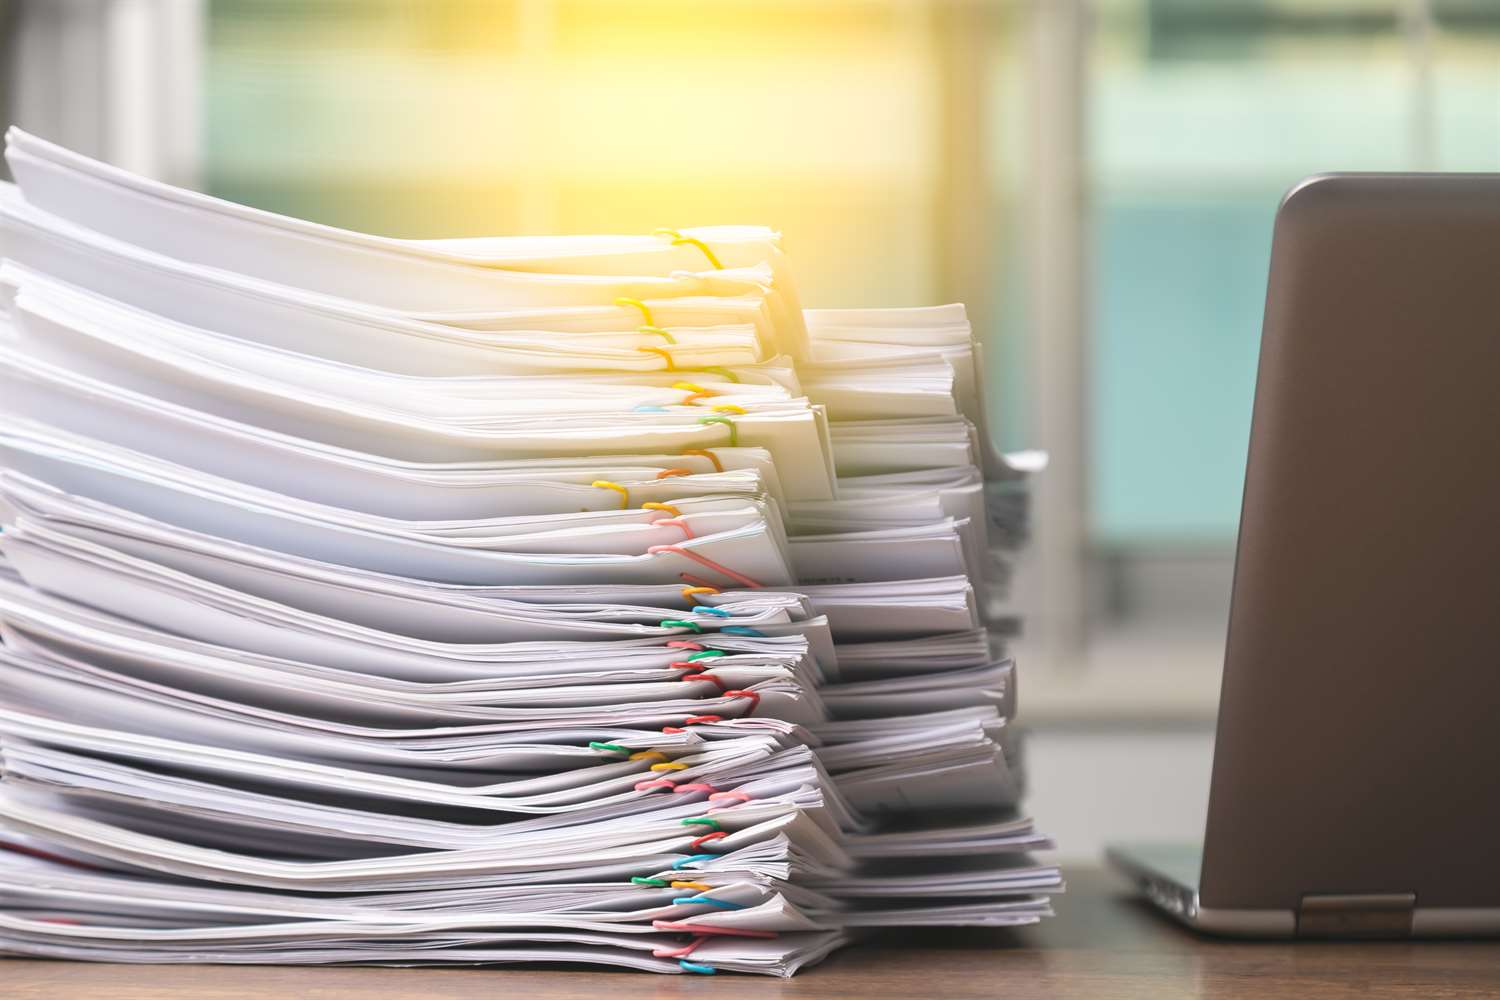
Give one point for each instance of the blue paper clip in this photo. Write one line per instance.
(722, 904)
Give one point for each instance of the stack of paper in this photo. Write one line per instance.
(575, 599)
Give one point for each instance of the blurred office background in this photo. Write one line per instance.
(1095, 178)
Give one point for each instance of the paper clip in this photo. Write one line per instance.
(730, 408)
(698, 786)
(685, 927)
(683, 644)
(680, 240)
(737, 693)
(709, 609)
(734, 432)
(726, 796)
(678, 523)
(697, 842)
(691, 592)
(637, 303)
(665, 354)
(704, 677)
(693, 859)
(656, 331)
(700, 886)
(717, 370)
(694, 390)
(706, 654)
(655, 883)
(676, 623)
(698, 967)
(704, 561)
(647, 755)
(653, 505)
(753, 633)
(605, 484)
(654, 783)
(670, 765)
(668, 473)
(613, 747)
(722, 904)
(702, 821)
(686, 949)
(705, 453)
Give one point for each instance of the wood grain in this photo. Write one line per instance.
(1104, 945)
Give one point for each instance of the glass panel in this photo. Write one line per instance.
(1201, 116)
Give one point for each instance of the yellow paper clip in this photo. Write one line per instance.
(691, 592)
(665, 354)
(648, 755)
(669, 766)
(730, 408)
(645, 309)
(605, 484)
(657, 331)
(700, 886)
(679, 240)
(653, 505)
(694, 390)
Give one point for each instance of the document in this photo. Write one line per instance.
(579, 599)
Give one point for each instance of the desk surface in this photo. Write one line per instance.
(1103, 945)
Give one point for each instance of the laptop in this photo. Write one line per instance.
(1356, 776)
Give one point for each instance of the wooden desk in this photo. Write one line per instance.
(1103, 945)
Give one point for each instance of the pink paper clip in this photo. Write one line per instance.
(685, 928)
(695, 786)
(737, 577)
(685, 950)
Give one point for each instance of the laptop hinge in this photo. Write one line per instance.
(1373, 915)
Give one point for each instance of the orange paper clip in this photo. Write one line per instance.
(705, 453)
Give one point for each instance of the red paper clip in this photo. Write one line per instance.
(698, 842)
(654, 783)
(705, 677)
(726, 796)
(754, 698)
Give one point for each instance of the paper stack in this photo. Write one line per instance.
(567, 599)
